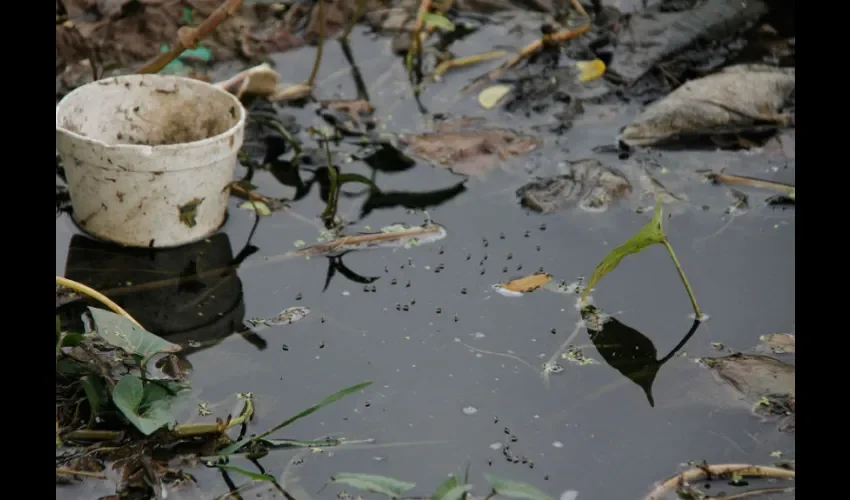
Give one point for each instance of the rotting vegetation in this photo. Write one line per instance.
(118, 392)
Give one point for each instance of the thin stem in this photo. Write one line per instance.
(95, 475)
(684, 279)
(321, 46)
(361, 7)
(91, 292)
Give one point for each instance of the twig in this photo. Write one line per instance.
(95, 475)
(578, 7)
(188, 37)
(361, 7)
(560, 37)
(691, 296)
(92, 435)
(730, 179)
(91, 292)
(310, 81)
(710, 471)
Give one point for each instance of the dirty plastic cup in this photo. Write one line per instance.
(148, 158)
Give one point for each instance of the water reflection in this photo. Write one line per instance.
(411, 200)
(191, 295)
(629, 351)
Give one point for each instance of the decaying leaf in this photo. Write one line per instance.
(735, 99)
(590, 70)
(777, 343)
(286, 317)
(189, 211)
(491, 96)
(394, 237)
(753, 376)
(588, 184)
(471, 152)
(523, 285)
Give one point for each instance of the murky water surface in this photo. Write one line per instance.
(457, 366)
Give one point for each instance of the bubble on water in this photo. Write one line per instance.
(346, 293)
(470, 410)
(478, 335)
(495, 446)
(558, 444)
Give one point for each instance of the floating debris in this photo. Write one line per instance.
(777, 343)
(588, 184)
(390, 237)
(734, 100)
(491, 96)
(590, 70)
(286, 317)
(520, 286)
(257, 206)
(470, 410)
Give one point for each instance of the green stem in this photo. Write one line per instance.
(361, 7)
(201, 428)
(684, 279)
(320, 48)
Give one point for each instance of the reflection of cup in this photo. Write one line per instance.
(185, 293)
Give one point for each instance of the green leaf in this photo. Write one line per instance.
(201, 53)
(72, 339)
(437, 21)
(388, 486)
(95, 392)
(256, 476)
(233, 448)
(344, 178)
(456, 493)
(649, 235)
(148, 408)
(447, 485)
(451, 490)
(515, 489)
(124, 334)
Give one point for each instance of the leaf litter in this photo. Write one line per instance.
(737, 98)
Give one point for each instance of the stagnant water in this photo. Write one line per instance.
(436, 393)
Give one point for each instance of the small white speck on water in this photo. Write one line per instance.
(413, 366)
(470, 410)
(495, 446)
(569, 495)
(346, 293)
(479, 355)
(478, 335)
(558, 444)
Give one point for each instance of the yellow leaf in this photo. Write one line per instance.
(528, 283)
(491, 96)
(590, 70)
(260, 207)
